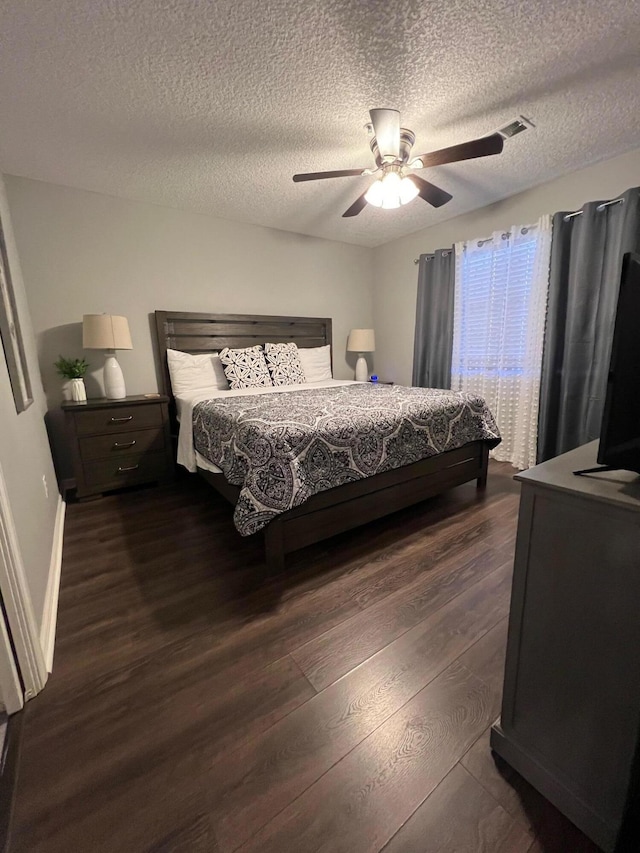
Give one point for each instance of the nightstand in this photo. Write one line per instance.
(119, 443)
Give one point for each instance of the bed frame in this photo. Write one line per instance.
(342, 507)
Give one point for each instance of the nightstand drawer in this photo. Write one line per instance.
(118, 444)
(114, 446)
(117, 419)
(125, 471)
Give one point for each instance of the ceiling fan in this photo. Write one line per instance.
(391, 147)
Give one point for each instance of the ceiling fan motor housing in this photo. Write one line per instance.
(373, 144)
(407, 140)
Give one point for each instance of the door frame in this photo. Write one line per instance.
(19, 613)
(10, 685)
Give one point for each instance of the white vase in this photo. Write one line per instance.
(78, 391)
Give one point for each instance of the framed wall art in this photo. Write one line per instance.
(11, 334)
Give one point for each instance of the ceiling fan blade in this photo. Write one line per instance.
(319, 176)
(430, 192)
(386, 128)
(359, 204)
(465, 151)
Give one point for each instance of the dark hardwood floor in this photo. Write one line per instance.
(345, 706)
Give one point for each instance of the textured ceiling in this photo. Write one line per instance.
(213, 106)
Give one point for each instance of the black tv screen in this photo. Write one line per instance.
(620, 433)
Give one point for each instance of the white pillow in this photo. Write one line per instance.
(316, 363)
(195, 372)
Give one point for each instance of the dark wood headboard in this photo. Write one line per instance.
(195, 332)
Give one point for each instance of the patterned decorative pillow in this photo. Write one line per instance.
(245, 368)
(284, 365)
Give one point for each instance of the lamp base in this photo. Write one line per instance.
(114, 388)
(362, 369)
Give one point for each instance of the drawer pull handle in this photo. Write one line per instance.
(118, 446)
(130, 468)
(121, 420)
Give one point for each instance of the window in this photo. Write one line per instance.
(495, 293)
(500, 307)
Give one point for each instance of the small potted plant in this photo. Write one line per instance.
(74, 369)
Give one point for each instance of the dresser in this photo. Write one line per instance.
(570, 720)
(118, 443)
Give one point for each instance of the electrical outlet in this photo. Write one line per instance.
(45, 486)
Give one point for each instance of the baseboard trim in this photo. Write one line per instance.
(50, 611)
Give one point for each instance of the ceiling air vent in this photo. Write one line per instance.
(515, 127)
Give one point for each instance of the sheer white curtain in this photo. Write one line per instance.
(501, 286)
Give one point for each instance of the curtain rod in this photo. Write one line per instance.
(599, 208)
(432, 255)
(566, 218)
(524, 230)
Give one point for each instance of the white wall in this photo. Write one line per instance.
(83, 252)
(396, 276)
(24, 448)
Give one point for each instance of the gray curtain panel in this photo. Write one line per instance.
(433, 341)
(586, 261)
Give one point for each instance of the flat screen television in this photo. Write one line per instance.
(620, 433)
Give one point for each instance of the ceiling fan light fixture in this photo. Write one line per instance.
(385, 192)
(408, 191)
(391, 191)
(374, 194)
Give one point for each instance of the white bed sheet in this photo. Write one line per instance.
(188, 456)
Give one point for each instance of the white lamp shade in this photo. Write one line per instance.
(105, 331)
(361, 340)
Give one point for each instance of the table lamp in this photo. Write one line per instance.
(108, 332)
(361, 341)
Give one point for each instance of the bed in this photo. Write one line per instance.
(335, 508)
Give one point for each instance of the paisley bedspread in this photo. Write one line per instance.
(283, 448)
